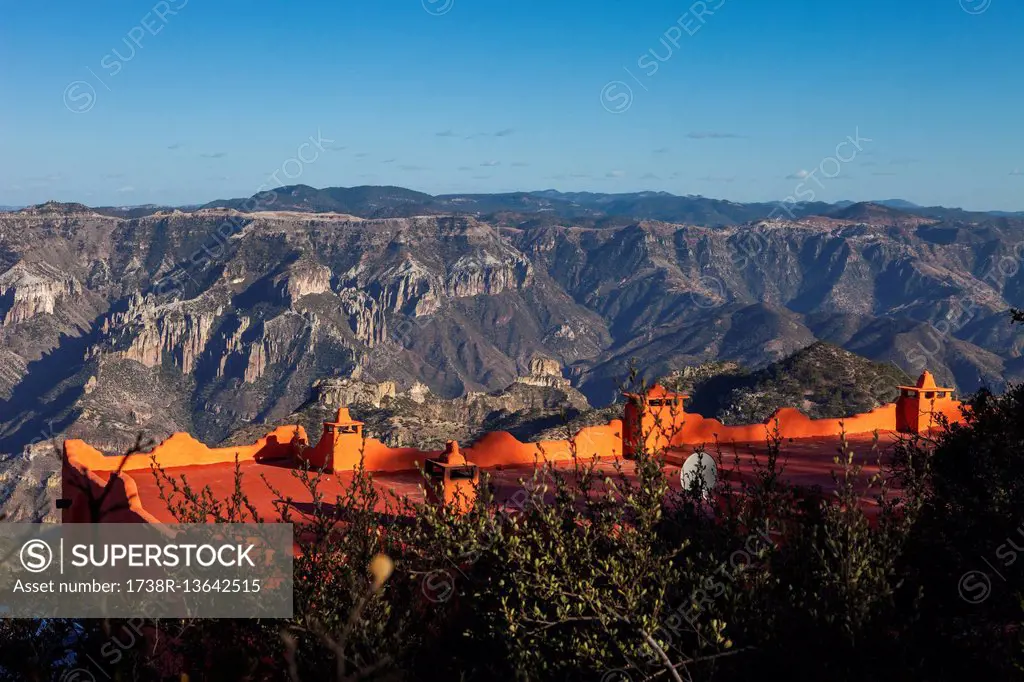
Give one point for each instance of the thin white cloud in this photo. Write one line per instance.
(125, 190)
(799, 175)
(615, 174)
(490, 164)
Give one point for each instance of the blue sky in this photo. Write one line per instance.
(184, 101)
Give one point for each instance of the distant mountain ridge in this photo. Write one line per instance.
(392, 202)
(541, 207)
(375, 201)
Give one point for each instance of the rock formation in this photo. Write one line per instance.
(207, 319)
(30, 289)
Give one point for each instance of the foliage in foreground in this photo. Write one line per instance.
(602, 572)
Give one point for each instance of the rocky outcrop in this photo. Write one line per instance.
(545, 372)
(365, 317)
(283, 340)
(418, 417)
(259, 358)
(419, 393)
(409, 288)
(30, 289)
(232, 344)
(339, 392)
(178, 332)
(481, 274)
(303, 278)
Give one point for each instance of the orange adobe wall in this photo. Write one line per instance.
(659, 419)
(343, 445)
(85, 490)
(657, 416)
(181, 450)
(664, 428)
(86, 471)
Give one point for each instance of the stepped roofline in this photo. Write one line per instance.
(926, 382)
(343, 447)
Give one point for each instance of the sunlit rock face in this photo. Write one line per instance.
(30, 289)
(204, 320)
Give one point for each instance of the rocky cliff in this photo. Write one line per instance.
(539, 399)
(209, 319)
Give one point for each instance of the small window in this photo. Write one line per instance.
(940, 394)
(929, 395)
(655, 403)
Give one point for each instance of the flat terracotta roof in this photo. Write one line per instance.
(806, 462)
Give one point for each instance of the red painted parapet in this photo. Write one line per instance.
(87, 498)
(181, 449)
(86, 471)
(658, 420)
(343, 446)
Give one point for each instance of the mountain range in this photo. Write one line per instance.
(120, 320)
(398, 202)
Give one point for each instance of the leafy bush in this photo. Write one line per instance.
(602, 571)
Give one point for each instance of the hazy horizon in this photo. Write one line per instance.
(195, 204)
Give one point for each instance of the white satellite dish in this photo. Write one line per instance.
(699, 470)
